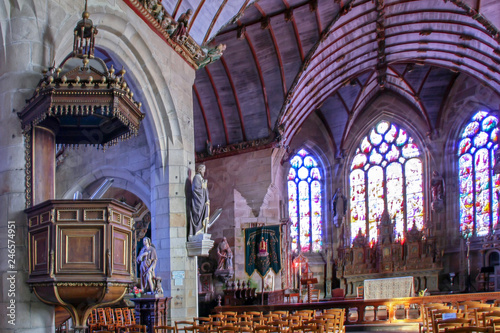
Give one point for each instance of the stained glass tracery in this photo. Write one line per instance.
(305, 203)
(386, 174)
(478, 186)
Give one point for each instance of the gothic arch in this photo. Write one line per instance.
(123, 179)
(133, 49)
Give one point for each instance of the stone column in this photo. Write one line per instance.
(22, 58)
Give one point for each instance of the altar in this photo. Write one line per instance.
(388, 288)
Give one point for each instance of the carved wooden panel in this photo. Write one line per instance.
(94, 214)
(45, 217)
(81, 249)
(39, 248)
(116, 217)
(33, 221)
(67, 214)
(121, 251)
(127, 221)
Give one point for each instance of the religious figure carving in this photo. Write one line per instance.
(212, 55)
(180, 34)
(200, 205)
(437, 192)
(339, 207)
(225, 256)
(147, 258)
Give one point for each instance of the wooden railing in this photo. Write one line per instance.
(381, 311)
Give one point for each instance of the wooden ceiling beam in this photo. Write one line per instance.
(276, 49)
(235, 94)
(219, 104)
(331, 64)
(443, 102)
(176, 9)
(296, 31)
(214, 20)
(261, 77)
(202, 112)
(195, 15)
(306, 110)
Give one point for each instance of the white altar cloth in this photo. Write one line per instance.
(389, 288)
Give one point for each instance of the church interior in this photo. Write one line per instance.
(182, 158)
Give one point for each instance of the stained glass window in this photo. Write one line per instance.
(386, 174)
(305, 203)
(479, 188)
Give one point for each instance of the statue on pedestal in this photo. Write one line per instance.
(200, 205)
(339, 207)
(224, 256)
(437, 192)
(148, 258)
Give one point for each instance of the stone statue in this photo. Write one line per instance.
(437, 192)
(200, 205)
(224, 256)
(339, 207)
(147, 258)
(212, 55)
(180, 34)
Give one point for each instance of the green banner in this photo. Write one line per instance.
(262, 250)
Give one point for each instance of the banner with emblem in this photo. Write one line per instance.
(262, 250)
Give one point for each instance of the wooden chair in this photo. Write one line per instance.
(495, 323)
(280, 313)
(294, 320)
(137, 328)
(315, 295)
(164, 329)
(440, 325)
(119, 317)
(305, 329)
(92, 322)
(471, 310)
(305, 314)
(280, 325)
(243, 317)
(245, 326)
(470, 329)
(228, 329)
(102, 322)
(426, 325)
(265, 329)
(292, 298)
(485, 318)
(185, 326)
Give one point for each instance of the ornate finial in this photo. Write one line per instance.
(84, 39)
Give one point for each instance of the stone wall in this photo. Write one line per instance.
(154, 166)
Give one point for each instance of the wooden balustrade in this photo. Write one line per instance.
(381, 311)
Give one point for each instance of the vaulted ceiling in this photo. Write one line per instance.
(286, 59)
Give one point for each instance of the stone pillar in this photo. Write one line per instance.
(23, 55)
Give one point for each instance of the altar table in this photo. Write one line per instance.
(389, 288)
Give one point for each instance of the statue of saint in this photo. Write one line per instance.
(225, 256)
(180, 34)
(147, 258)
(339, 207)
(437, 192)
(200, 205)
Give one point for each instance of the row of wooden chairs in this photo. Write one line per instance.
(443, 317)
(116, 320)
(328, 321)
